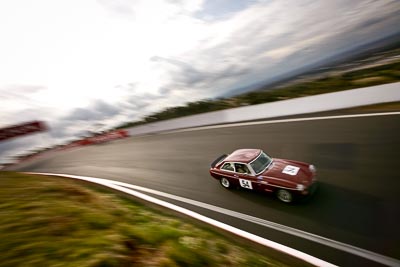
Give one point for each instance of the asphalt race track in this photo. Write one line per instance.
(357, 162)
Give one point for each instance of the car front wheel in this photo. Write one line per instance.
(284, 195)
(225, 182)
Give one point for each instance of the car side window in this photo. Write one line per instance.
(241, 168)
(228, 167)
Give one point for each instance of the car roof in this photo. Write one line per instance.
(243, 155)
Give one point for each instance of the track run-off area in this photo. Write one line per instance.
(352, 220)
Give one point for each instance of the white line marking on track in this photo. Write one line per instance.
(265, 242)
(250, 123)
(279, 227)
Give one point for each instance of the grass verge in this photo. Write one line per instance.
(48, 221)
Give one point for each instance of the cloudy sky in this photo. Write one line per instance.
(78, 64)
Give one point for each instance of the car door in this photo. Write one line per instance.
(244, 176)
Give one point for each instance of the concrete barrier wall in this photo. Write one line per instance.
(310, 104)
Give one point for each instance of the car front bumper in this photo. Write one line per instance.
(311, 189)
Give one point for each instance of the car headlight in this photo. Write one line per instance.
(300, 187)
(312, 168)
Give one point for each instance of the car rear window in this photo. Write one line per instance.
(228, 166)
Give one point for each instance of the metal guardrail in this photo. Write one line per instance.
(303, 105)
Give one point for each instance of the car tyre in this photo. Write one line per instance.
(225, 183)
(284, 195)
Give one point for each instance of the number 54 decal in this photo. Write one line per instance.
(245, 183)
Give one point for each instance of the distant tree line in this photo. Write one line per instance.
(344, 81)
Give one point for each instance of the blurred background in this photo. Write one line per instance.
(84, 68)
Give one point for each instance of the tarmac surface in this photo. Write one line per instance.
(358, 168)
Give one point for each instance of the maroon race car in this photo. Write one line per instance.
(255, 170)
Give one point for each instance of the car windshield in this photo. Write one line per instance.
(260, 163)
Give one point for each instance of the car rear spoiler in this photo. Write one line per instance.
(218, 160)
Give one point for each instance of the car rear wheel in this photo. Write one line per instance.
(284, 195)
(225, 182)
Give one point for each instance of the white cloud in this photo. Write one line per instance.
(61, 57)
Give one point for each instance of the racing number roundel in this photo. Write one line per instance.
(245, 183)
